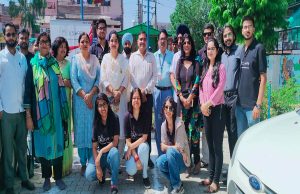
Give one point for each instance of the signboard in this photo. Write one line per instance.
(51, 9)
(99, 2)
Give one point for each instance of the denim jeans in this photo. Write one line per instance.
(171, 165)
(244, 119)
(159, 99)
(110, 160)
(143, 153)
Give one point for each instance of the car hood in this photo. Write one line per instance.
(271, 151)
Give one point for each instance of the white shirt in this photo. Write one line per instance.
(12, 81)
(176, 57)
(143, 72)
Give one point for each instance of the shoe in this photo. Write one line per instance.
(82, 170)
(150, 164)
(204, 164)
(131, 178)
(61, 184)
(146, 182)
(10, 191)
(102, 182)
(47, 185)
(28, 185)
(179, 190)
(196, 169)
(113, 190)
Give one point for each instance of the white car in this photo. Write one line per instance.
(266, 157)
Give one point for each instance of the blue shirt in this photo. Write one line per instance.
(163, 65)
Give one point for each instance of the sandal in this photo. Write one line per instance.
(206, 182)
(213, 188)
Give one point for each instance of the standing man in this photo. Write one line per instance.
(127, 41)
(175, 45)
(253, 78)
(13, 66)
(143, 73)
(231, 60)
(100, 48)
(163, 87)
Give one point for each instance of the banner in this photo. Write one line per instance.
(51, 9)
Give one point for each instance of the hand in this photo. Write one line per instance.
(88, 98)
(205, 110)
(99, 173)
(128, 154)
(139, 165)
(117, 96)
(1, 112)
(186, 104)
(184, 157)
(256, 113)
(67, 83)
(29, 124)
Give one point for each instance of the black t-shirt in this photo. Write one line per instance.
(135, 129)
(104, 134)
(253, 63)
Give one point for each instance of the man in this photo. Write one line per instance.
(253, 78)
(231, 60)
(208, 32)
(174, 45)
(163, 87)
(143, 73)
(101, 47)
(127, 41)
(13, 66)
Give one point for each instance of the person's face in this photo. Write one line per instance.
(23, 40)
(211, 51)
(84, 43)
(142, 42)
(101, 31)
(10, 37)
(207, 33)
(248, 29)
(228, 37)
(163, 41)
(62, 50)
(168, 110)
(136, 100)
(187, 47)
(127, 44)
(179, 40)
(44, 46)
(114, 42)
(102, 108)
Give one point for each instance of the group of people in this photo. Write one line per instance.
(108, 99)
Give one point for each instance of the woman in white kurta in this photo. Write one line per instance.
(114, 80)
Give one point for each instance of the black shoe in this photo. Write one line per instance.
(179, 190)
(28, 185)
(114, 190)
(150, 164)
(47, 185)
(61, 184)
(147, 183)
(10, 191)
(102, 182)
(204, 164)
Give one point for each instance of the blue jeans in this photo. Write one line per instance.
(244, 119)
(143, 153)
(171, 165)
(159, 99)
(110, 160)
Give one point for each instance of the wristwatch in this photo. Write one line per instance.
(258, 106)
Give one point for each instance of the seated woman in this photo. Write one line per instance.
(136, 132)
(105, 138)
(175, 145)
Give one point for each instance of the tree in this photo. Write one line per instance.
(268, 15)
(29, 11)
(193, 13)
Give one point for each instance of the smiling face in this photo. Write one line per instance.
(207, 33)
(162, 41)
(136, 100)
(228, 37)
(212, 50)
(84, 43)
(62, 50)
(23, 40)
(248, 29)
(168, 110)
(10, 36)
(101, 31)
(102, 108)
(142, 42)
(114, 43)
(44, 46)
(187, 47)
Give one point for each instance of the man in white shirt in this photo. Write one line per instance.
(143, 75)
(13, 67)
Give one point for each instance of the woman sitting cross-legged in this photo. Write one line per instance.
(175, 145)
(136, 131)
(105, 138)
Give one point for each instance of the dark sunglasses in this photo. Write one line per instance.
(206, 34)
(169, 108)
(11, 34)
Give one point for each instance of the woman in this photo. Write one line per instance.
(52, 112)
(187, 83)
(114, 79)
(137, 129)
(85, 75)
(175, 145)
(60, 49)
(106, 130)
(212, 98)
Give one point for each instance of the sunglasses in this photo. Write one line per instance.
(206, 34)
(10, 35)
(169, 108)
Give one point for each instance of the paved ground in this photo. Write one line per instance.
(79, 185)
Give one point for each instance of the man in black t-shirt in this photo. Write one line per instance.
(253, 78)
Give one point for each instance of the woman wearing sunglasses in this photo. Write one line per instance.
(175, 146)
(212, 98)
(187, 83)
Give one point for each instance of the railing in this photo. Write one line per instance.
(289, 40)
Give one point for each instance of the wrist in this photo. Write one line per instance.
(258, 106)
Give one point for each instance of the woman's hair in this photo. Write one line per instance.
(174, 106)
(97, 117)
(216, 66)
(83, 34)
(192, 55)
(41, 35)
(57, 43)
(130, 108)
(113, 32)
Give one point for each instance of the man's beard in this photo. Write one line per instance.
(11, 44)
(127, 50)
(248, 38)
(24, 45)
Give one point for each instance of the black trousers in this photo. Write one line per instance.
(57, 167)
(214, 126)
(230, 119)
(148, 106)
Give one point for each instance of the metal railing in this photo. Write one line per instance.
(288, 40)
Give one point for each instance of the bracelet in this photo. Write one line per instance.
(136, 158)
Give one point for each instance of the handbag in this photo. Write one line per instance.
(30, 164)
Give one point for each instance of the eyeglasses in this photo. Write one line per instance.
(211, 49)
(206, 34)
(169, 108)
(101, 28)
(46, 42)
(229, 35)
(10, 35)
(103, 105)
(186, 43)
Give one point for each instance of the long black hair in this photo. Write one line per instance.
(216, 66)
(192, 55)
(174, 106)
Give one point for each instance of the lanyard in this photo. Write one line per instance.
(162, 63)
